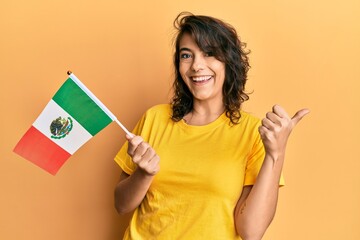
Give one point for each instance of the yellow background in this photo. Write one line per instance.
(304, 54)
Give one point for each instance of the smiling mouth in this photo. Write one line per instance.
(201, 79)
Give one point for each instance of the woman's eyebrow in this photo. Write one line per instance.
(184, 49)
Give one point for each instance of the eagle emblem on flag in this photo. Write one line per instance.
(61, 127)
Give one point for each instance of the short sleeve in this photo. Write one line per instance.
(122, 157)
(255, 161)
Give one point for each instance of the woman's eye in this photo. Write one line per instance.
(185, 56)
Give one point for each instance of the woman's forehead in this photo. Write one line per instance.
(188, 39)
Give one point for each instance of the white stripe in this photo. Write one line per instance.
(73, 140)
(92, 96)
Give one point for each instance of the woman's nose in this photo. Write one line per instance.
(198, 64)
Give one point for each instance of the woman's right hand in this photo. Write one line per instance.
(143, 155)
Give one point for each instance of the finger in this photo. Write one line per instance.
(140, 151)
(299, 115)
(152, 166)
(264, 132)
(149, 154)
(133, 144)
(136, 140)
(267, 124)
(273, 118)
(278, 110)
(153, 161)
(129, 137)
(149, 162)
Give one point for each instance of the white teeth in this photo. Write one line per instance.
(201, 78)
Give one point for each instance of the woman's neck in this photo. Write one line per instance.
(204, 113)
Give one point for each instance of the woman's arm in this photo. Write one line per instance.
(257, 204)
(131, 189)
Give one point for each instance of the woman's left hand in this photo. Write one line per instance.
(276, 128)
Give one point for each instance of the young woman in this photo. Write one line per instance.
(200, 167)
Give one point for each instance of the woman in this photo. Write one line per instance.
(220, 167)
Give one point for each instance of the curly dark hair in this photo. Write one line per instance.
(219, 38)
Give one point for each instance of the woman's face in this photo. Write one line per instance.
(203, 73)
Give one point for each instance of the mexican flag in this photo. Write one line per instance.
(69, 120)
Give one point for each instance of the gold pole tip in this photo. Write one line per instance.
(69, 72)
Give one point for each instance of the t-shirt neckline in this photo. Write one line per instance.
(222, 119)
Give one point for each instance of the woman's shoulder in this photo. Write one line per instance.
(249, 118)
(159, 110)
(249, 124)
(162, 108)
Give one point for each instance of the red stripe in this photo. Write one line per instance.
(37, 148)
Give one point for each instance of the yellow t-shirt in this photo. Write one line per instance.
(202, 173)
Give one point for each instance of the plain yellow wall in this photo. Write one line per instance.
(304, 54)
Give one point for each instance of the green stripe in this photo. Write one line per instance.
(81, 107)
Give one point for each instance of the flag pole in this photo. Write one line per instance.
(124, 128)
(113, 116)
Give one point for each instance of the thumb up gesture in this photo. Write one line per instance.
(275, 130)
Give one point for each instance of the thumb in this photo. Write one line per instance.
(299, 115)
(129, 137)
